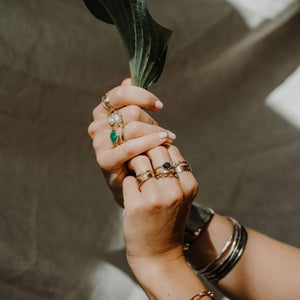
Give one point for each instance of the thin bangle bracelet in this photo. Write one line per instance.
(228, 243)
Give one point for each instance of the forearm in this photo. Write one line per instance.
(267, 269)
(169, 280)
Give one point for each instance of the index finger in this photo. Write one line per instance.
(132, 95)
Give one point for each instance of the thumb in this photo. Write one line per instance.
(126, 81)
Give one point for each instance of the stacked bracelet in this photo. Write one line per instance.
(229, 255)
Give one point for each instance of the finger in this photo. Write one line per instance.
(97, 127)
(128, 132)
(116, 157)
(188, 182)
(126, 81)
(132, 95)
(131, 192)
(141, 165)
(160, 158)
(135, 113)
(137, 129)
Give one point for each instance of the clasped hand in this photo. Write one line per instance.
(154, 214)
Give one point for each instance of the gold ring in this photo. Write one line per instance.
(166, 170)
(165, 167)
(145, 176)
(179, 162)
(183, 168)
(165, 175)
(121, 136)
(106, 103)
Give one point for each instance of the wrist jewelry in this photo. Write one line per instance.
(198, 218)
(229, 255)
(203, 294)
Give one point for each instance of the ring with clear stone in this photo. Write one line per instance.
(118, 117)
(106, 103)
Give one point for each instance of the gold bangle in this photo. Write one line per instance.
(203, 294)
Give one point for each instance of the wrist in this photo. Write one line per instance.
(210, 242)
(168, 279)
(172, 257)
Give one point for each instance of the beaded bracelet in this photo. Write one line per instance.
(203, 294)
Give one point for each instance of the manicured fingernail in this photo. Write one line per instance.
(163, 134)
(172, 135)
(158, 104)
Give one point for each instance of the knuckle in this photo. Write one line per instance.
(100, 160)
(158, 151)
(128, 149)
(173, 149)
(100, 157)
(97, 143)
(94, 113)
(154, 203)
(132, 127)
(140, 160)
(135, 112)
(117, 92)
(175, 196)
(192, 188)
(91, 129)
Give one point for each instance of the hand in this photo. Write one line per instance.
(155, 216)
(141, 133)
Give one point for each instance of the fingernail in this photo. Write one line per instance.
(172, 135)
(158, 104)
(163, 134)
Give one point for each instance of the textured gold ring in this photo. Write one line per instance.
(183, 168)
(145, 176)
(106, 103)
(179, 162)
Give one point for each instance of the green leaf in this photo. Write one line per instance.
(146, 41)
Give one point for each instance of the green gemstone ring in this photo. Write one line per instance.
(114, 137)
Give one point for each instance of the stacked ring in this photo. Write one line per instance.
(118, 117)
(143, 177)
(166, 170)
(111, 120)
(116, 138)
(115, 120)
(179, 162)
(182, 166)
(106, 103)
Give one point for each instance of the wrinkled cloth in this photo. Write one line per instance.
(61, 232)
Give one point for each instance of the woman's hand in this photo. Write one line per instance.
(141, 133)
(155, 215)
(154, 220)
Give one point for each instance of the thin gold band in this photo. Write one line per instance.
(203, 294)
